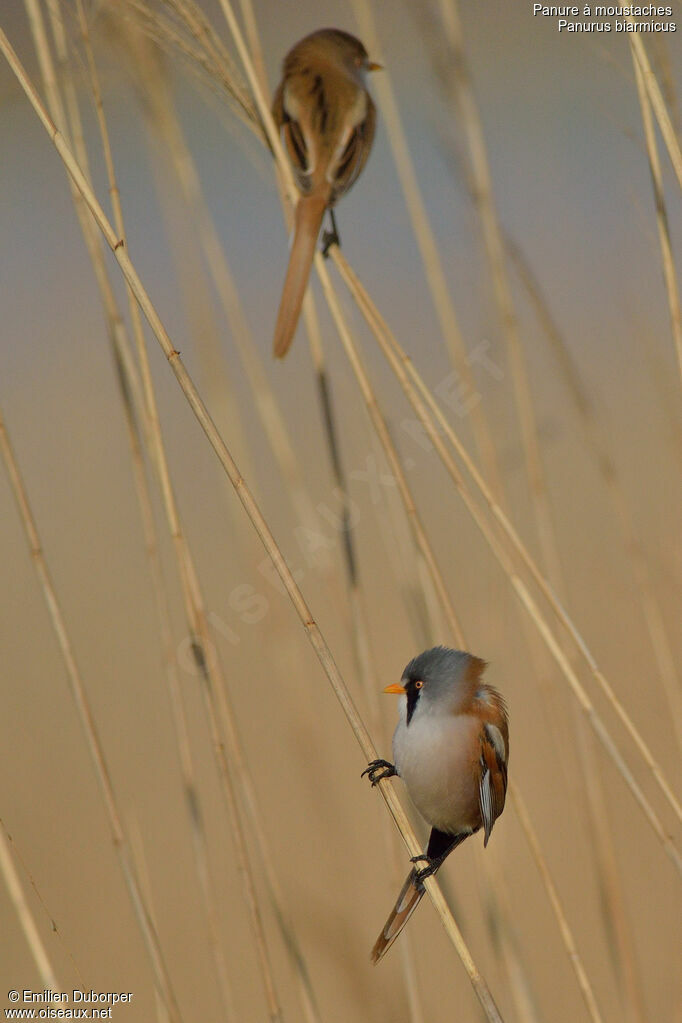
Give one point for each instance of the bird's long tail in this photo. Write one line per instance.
(408, 900)
(308, 220)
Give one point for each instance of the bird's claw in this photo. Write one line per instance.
(377, 770)
(428, 871)
(330, 238)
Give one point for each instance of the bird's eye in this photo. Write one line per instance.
(419, 684)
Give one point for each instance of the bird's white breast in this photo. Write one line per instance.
(436, 756)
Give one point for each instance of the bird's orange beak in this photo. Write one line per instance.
(373, 66)
(395, 687)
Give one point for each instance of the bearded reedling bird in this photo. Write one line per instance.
(451, 748)
(327, 118)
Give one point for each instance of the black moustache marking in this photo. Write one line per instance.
(412, 697)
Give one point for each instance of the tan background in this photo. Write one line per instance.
(564, 135)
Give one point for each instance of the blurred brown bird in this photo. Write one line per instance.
(327, 118)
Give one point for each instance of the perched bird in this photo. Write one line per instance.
(450, 747)
(327, 117)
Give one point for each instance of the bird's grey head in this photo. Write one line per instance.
(437, 680)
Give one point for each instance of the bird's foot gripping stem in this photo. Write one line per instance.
(330, 237)
(377, 770)
(428, 871)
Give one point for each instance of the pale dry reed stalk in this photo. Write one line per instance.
(333, 304)
(425, 553)
(379, 426)
(192, 56)
(166, 124)
(589, 802)
(427, 245)
(428, 248)
(369, 397)
(657, 102)
(465, 101)
(28, 925)
(667, 257)
(393, 458)
(255, 516)
(79, 695)
(606, 740)
(130, 384)
(507, 936)
(597, 449)
(169, 126)
(216, 260)
(217, 705)
(418, 534)
(144, 877)
(409, 572)
(358, 617)
(353, 356)
(149, 935)
(557, 907)
(208, 40)
(370, 312)
(55, 929)
(664, 68)
(554, 648)
(482, 190)
(192, 596)
(519, 587)
(192, 798)
(404, 165)
(285, 173)
(620, 929)
(436, 427)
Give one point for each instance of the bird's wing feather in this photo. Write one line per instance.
(493, 782)
(354, 155)
(290, 116)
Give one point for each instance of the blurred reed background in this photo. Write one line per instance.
(506, 230)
